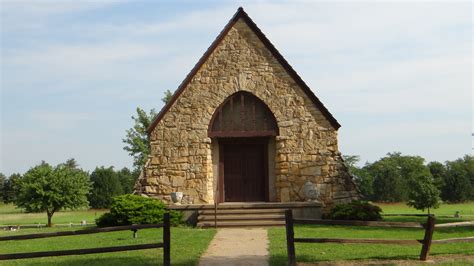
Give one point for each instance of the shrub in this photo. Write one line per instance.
(133, 209)
(356, 210)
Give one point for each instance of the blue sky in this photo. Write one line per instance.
(397, 76)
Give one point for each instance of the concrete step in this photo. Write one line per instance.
(239, 217)
(241, 211)
(232, 217)
(222, 224)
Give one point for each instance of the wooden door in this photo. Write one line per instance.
(244, 172)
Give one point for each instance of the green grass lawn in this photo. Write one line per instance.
(187, 245)
(10, 215)
(466, 209)
(335, 252)
(444, 214)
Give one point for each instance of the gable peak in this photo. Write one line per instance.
(247, 20)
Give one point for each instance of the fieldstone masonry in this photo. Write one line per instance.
(306, 148)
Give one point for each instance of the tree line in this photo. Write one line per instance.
(393, 177)
(45, 188)
(64, 181)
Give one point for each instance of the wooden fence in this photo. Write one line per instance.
(165, 244)
(426, 242)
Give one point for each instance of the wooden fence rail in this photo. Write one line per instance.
(426, 242)
(457, 224)
(83, 232)
(165, 244)
(405, 214)
(24, 226)
(359, 223)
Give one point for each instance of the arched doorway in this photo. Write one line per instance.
(242, 126)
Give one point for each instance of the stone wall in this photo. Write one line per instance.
(306, 148)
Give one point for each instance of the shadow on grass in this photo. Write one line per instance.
(457, 230)
(354, 228)
(115, 261)
(282, 260)
(439, 219)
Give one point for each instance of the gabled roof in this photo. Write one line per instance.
(241, 14)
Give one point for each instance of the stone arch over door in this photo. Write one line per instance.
(243, 131)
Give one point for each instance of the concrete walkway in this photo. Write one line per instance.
(237, 246)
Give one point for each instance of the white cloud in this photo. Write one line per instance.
(80, 66)
(363, 60)
(419, 84)
(36, 15)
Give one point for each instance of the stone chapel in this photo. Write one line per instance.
(244, 127)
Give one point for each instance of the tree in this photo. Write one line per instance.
(438, 171)
(362, 178)
(127, 178)
(351, 160)
(364, 182)
(387, 183)
(469, 166)
(71, 163)
(3, 179)
(137, 140)
(47, 189)
(457, 184)
(106, 185)
(11, 188)
(167, 98)
(423, 193)
(391, 175)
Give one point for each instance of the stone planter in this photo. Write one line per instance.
(310, 191)
(176, 197)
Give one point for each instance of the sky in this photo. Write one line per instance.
(396, 75)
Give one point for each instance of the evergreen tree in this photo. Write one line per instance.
(11, 188)
(438, 171)
(3, 179)
(457, 184)
(106, 185)
(127, 179)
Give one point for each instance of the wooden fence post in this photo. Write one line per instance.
(166, 240)
(290, 238)
(215, 214)
(429, 230)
